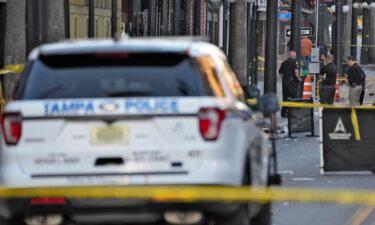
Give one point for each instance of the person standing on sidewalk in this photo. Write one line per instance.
(289, 73)
(328, 74)
(355, 80)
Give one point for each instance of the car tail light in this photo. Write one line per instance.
(11, 124)
(210, 120)
(47, 201)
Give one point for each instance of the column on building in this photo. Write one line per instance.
(181, 20)
(213, 23)
(262, 40)
(372, 36)
(137, 28)
(203, 19)
(347, 29)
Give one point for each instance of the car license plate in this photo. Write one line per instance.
(109, 135)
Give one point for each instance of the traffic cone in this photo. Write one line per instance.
(337, 94)
(307, 88)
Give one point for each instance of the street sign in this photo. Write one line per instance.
(315, 55)
(314, 67)
(285, 15)
(305, 32)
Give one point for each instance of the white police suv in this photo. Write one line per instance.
(134, 112)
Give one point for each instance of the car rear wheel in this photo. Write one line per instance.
(263, 217)
(10, 222)
(240, 217)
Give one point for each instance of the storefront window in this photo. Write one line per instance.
(213, 25)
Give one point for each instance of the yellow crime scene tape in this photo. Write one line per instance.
(14, 68)
(188, 194)
(354, 117)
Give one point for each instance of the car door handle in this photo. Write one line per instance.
(110, 161)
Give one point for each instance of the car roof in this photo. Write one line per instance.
(135, 45)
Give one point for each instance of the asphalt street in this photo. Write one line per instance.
(299, 164)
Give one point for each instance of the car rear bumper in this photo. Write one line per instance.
(110, 211)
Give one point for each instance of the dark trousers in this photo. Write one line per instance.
(289, 91)
(327, 94)
(362, 97)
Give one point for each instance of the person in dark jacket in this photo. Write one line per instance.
(289, 73)
(355, 80)
(328, 75)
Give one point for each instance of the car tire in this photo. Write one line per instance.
(264, 216)
(7, 222)
(240, 217)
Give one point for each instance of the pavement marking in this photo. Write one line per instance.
(289, 172)
(362, 215)
(303, 179)
(355, 215)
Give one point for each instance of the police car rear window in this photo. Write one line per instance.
(105, 75)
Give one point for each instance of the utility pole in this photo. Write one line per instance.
(270, 73)
(114, 18)
(253, 43)
(250, 45)
(270, 81)
(338, 36)
(256, 31)
(296, 28)
(91, 33)
(239, 62)
(365, 33)
(67, 18)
